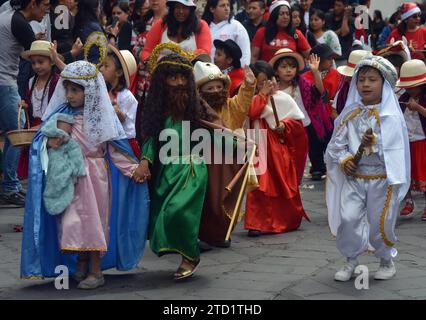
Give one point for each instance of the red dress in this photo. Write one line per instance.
(276, 206)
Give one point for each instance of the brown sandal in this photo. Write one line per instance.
(183, 273)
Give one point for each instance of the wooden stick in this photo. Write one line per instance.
(277, 121)
(361, 149)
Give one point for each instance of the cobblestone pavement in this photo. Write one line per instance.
(295, 265)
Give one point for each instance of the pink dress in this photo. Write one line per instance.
(84, 225)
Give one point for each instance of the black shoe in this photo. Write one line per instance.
(317, 176)
(13, 198)
(254, 233)
(204, 247)
(224, 244)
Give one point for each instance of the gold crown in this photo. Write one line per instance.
(153, 59)
(99, 40)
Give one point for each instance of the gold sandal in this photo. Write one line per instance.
(183, 273)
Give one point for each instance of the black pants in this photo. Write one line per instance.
(316, 149)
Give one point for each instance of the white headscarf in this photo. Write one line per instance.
(395, 143)
(101, 123)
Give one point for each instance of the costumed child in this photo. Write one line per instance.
(276, 206)
(368, 169)
(39, 90)
(413, 105)
(118, 70)
(287, 66)
(106, 222)
(346, 73)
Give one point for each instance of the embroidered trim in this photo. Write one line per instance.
(165, 250)
(383, 217)
(103, 47)
(32, 278)
(351, 116)
(375, 113)
(369, 177)
(83, 249)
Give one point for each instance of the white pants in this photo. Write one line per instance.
(369, 209)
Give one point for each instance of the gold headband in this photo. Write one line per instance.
(153, 60)
(94, 39)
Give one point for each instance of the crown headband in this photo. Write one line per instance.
(153, 60)
(94, 39)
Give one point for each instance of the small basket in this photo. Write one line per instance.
(21, 137)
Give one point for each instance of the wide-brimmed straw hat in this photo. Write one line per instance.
(285, 52)
(38, 48)
(354, 58)
(413, 74)
(127, 61)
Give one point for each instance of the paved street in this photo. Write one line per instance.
(296, 265)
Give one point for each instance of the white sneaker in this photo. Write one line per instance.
(386, 270)
(345, 273)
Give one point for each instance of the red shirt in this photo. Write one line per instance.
(282, 40)
(237, 78)
(417, 38)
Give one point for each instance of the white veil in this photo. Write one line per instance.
(101, 123)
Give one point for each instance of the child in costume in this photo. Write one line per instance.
(413, 105)
(287, 66)
(62, 163)
(276, 207)
(119, 69)
(368, 168)
(94, 229)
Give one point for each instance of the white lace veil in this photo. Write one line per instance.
(100, 120)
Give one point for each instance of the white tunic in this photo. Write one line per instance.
(128, 105)
(414, 125)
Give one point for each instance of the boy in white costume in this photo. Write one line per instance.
(363, 197)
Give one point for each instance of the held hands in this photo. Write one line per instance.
(249, 75)
(314, 62)
(142, 173)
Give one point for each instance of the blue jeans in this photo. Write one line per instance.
(9, 99)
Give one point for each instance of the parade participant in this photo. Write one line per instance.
(276, 207)
(410, 28)
(119, 70)
(227, 58)
(346, 72)
(287, 66)
(413, 105)
(94, 232)
(213, 86)
(368, 168)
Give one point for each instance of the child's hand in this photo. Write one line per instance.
(368, 140)
(23, 104)
(249, 76)
(77, 47)
(54, 51)
(268, 88)
(350, 168)
(314, 62)
(56, 142)
(280, 128)
(412, 105)
(142, 173)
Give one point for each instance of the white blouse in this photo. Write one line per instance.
(128, 105)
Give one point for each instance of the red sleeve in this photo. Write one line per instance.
(257, 106)
(302, 43)
(394, 34)
(259, 38)
(153, 38)
(204, 39)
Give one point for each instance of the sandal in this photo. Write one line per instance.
(408, 209)
(183, 273)
(92, 282)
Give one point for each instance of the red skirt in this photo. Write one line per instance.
(418, 165)
(135, 147)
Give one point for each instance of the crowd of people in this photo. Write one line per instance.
(102, 81)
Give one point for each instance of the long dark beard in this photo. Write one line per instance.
(216, 100)
(178, 99)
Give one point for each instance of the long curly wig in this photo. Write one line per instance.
(157, 103)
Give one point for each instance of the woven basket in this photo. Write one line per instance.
(21, 137)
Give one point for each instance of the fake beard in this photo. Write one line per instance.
(178, 99)
(215, 100)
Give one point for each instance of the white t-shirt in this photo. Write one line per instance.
(233, 30)
(414, 125)
(128, 105)
(188, 44)
(298, 98)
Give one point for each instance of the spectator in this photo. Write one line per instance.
(342, 23)
(181, 26)
(307, 10)
(121, 32)
(218, 14)
(297, 19)
(318, 27)
(409, 27)
(16, 36)
(378, 26)
(391, 24)
(277, 34)
(243, 14)
(256, 10)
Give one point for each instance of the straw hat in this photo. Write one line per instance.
(127, 61)
(285, 52)
(413, 73)
(354, 58)
(38, 48)
(206, 71)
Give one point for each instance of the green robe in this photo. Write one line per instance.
(177, 198)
